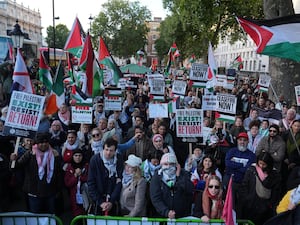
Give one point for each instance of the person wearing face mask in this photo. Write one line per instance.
(171, 190)
(132, 200)
(238, 159)
(260, 190)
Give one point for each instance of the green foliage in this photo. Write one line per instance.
(202, 21)
(122, 26)
(61, 35)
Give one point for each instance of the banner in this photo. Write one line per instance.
(189, 122)
(82, 114)
(24, 114)
(198, 72)
(226, 103)
(179, 87)
(297, 94)
(159, 110)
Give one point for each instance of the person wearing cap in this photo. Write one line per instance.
(42, 179)
(171, 190)
(274, 144)
(76, 175)
(132, 200)
(105, 178)
(238, 159)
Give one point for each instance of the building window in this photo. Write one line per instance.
(153, 37)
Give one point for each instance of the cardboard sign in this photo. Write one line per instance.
(226, 103)
(264, 80)
(209, 102)
(82, 114)
(297, 94)
(198, 72)
(159, 110)
(189, 122)
(24, 114)
(179, 87)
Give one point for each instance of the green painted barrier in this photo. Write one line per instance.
(26, 218)
(112, 220)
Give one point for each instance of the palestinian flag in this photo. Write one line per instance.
(157, 98)
(224, 117)
(108, 61)
(88, 64)
(262, 89)
(75, 39)
(197, 84)
(171, 58)
(57, 95)
(238, 63)
(44, 71)
(277, 37)
(192, 59)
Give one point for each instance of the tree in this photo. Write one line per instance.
(206, 20)
(122, 26)
(284, 72)
(61, 35)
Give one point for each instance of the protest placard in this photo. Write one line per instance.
(179, 87)
(82, 114)
(264, 80)
(24, 114)
(113, 103)
(189, 122)
(209, 102)
(159, 110)
(198, 72)
(226, 103)
(157, 87)
(297, 93)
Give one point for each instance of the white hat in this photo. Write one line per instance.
(133, 161)
(168, 158)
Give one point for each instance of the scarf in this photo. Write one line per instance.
(168, 175)
(149, 170)
(97, 146)
(110, 165)
(44, 159)
(64, 117)
(54, 135)
(212, 205)
(127, 179)
(262, 175)
(72, 147)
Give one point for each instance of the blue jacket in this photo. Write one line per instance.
(237, 162)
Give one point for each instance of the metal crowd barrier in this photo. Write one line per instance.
(26, 218)
(111, 220)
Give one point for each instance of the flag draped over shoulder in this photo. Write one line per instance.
(229, 215)
(171, 58)
(278, 37)
(75, 39)
(212, 69)
(44, 71)
(57, 95)
(88, 64)
(21, 78)
(106, 59)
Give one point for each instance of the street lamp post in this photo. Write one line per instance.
(54, 35)
(91, 19)
(17, 36)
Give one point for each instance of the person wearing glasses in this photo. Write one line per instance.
(260, 190)
(274, 144)
(209, 205)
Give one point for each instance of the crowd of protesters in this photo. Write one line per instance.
(128, 164)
